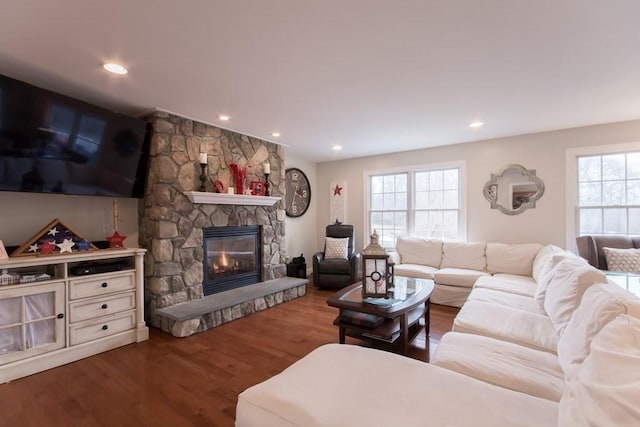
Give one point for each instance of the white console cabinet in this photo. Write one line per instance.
(69, 313)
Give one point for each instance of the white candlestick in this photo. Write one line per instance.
(203, 158)
(267, 168)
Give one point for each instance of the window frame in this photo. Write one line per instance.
(461, 165)
(572, 210)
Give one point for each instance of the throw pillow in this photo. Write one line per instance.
(336, 248)
(627, 260)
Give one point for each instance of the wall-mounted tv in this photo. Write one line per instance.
(50, 143)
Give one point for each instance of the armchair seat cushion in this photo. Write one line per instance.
(334, 266)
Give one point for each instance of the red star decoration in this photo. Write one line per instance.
(47, 247)
(116, 240)
(337, 190)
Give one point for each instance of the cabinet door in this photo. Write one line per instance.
(31, 320)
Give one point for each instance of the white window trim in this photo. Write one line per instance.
(460, 164)
(571, 182)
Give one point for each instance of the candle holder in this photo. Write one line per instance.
(203, 177)
(266, 184)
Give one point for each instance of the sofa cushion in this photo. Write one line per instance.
(335, 248)
(512, 259)
(547, 272)
(520, 285)
(347, 385)
(626, 260)
(508, 324)
(414, 250)
(415, 270)
(469, 256)
(540, 264)
(453, 296)
(600, 304)
(521, 302)
(606, 387)
(457, 277)
(534, 372)
(571, 277)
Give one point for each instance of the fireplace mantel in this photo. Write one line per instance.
(230, 199)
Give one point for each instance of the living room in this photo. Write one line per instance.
(547, 94)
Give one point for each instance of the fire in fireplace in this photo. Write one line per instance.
(233, 257)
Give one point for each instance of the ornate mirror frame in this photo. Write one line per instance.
(520, 189)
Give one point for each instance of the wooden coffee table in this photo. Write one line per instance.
(392, 322)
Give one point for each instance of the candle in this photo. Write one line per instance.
(203, 158)
(267, 167)
(231, 190)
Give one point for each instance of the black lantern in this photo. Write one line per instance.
(377, 270)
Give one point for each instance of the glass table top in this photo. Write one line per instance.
(403, 289)
(628, 281)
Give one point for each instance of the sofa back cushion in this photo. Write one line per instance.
(470, 256)
(571, 277)
(547, 269)
(606, 387)
(511, 259)
(601, 303)
(414, 250)
(540, 262)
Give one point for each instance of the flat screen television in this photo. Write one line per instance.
(51, 143)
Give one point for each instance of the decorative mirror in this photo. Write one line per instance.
(514, 190)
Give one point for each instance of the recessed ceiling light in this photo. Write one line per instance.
(275, 134)
(115, 68)
(336, 147)
(224, 117)
(476, 124)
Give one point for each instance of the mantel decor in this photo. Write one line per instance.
(377, 270)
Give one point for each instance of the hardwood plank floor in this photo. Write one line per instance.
(193, 381)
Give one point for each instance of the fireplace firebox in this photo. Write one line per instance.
(233, 257)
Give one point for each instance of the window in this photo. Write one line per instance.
(424, 202)
(608, 200)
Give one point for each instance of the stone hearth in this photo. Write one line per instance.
(171, 225)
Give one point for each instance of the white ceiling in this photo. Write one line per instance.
(374, 76)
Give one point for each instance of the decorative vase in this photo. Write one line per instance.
(240, 177)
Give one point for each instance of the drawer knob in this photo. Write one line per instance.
(60, 316)
(105, 327)
(104, 284)
(104, 306)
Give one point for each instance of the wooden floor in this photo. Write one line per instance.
(191, 381)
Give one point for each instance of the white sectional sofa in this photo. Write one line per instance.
(561, 347)
(455, 267)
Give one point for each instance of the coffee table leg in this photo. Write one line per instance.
(427, 319)
(404, 333)
(341, 334)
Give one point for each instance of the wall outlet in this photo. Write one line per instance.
(106, 229)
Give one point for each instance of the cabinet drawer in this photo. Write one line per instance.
(97, 307)
(92, 330)
(105, 284)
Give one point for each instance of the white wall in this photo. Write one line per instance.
(544, 152)
(24, 214)
(300, 233)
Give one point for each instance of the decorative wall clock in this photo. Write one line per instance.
(298, 192)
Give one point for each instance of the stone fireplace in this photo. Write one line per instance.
(171, 226)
